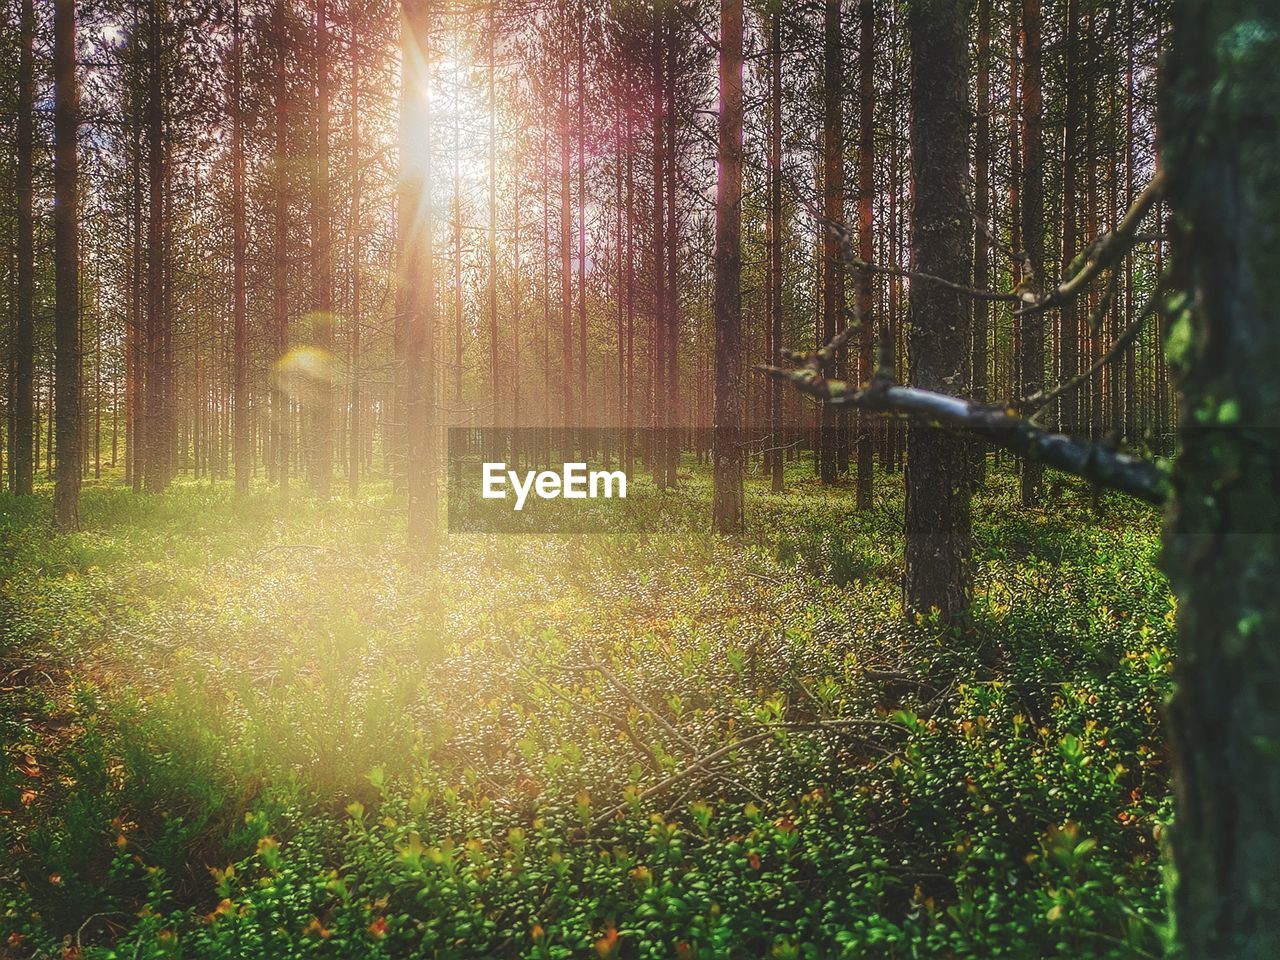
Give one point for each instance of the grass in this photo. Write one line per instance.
(232, 732)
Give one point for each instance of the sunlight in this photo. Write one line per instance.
(447, 129)
(534, 481)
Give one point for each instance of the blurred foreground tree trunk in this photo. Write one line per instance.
(1221, 110)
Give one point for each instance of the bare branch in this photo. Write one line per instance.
(1101, 254)
(702, 764)
(1095, 462)
(1040, 400)
(854, 262)
(997, 424)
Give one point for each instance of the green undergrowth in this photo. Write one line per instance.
(235, 732)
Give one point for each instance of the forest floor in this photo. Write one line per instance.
(232, 731)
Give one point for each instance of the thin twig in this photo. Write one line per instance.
(1038, 401)
(1102, 253)
(702, 763)
(842, 235)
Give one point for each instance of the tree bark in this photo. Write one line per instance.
(416, 289)
(1219, 115)
(727, 505)
(356, 428)
(657, 446)
(1068, 406)
(776, 458)
(867, 426)
(492, 273)
(322, 255)
(937, 485)
(982, 210)
(1031, 326)
(1130, 357)
(833, 211)
(672, 402)
(568, 410)
(581, 96)
(240, 355)
(280, 400)
(66, 241)
(24, 331)
(155, 472)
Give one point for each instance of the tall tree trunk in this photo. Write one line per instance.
(546, 294)
(1013, 371)
(155, 473)
(416, 289)
(581, 92)
(833, 211)
(866, 234)
(1031, 361)
(892, 455)
(658, 349)
(620, 419)
(1093, 341)
(457, 267)
(1069, 339)
(24, 332)
(517, 295)
(97, 380)
(776, 458)
(1130, 355)
(356, 428)
(568, 410)
(168, 405)
(280, 401)
(240, 355)
(630, 421)
(1162, 413)
(322, 253)
(1220, 113)
(937, 495)
(1111, 331)
(135, 338)
(492, 273)
(66, 245)
(982, 210)
(727, 505)
(672, 402)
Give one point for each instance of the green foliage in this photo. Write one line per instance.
(290, 750)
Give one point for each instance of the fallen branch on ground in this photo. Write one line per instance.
(702, 764)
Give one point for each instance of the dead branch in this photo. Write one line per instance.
(1103, 253)
(999, 425)
(854, 262)
(1038, 401)
(702, 763)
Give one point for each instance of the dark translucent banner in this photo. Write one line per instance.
(553, 480)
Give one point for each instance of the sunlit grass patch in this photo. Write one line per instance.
(288, 734)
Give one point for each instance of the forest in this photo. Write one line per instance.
(667, 479)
